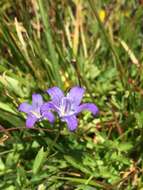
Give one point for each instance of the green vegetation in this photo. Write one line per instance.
(97, 45)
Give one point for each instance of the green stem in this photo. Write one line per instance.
(54, 142)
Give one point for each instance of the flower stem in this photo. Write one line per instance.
(54, 141)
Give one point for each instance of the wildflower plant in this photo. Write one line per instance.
(67, 107)
(59, 43)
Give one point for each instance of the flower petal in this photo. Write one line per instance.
(25, 107)
(88, 106)
(49, 115)
(65, 106)
(48, 106)
(75, 94)
(71, 122)
(56, 95)
(37, 100)
(46, 109)
(31, 120)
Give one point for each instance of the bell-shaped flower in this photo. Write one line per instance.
(33, 111)
(68, 107)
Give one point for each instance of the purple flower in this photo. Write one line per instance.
(34, 111)
(68, 106)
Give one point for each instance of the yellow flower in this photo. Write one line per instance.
(102, 15)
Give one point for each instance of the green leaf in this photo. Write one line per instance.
(139, 118)
(12, 119)
(2, 165)
(11, 84)
(125, 146)
(39, 160)
(77, 165)
(6, 107)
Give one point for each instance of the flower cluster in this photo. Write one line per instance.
(67, 107)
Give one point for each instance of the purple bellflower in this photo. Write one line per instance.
(33, 111)
(68, 106)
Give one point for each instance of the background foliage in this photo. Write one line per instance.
(95, 44)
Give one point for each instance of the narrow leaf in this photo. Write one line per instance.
(39, 160)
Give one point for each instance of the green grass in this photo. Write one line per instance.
(95, 44)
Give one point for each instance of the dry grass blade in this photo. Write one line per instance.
(129, 52)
